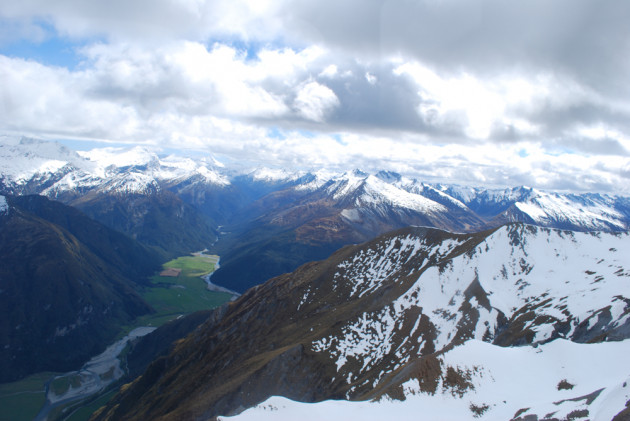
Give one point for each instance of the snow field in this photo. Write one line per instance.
(505, 381)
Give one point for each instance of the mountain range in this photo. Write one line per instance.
(387, 295)
(419, 322)
(265, 222)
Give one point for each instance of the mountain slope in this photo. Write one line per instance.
(160, 220)
(311, 224)
(67, 284)
(129, 257)
(384, 319)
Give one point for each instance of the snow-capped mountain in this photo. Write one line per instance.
(519, 322)
(532, 374)
(582, 212)
(36, 166)
(278, 218)
(31, 166)
(125, 189)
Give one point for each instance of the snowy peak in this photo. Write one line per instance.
(361, 190)
(140, 160)
(117, 159)
(571, 211)
(35, 166)
(389, 176)
(582, 212)
(30, 166)
(24, 159)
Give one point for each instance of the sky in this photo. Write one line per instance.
(485, 92)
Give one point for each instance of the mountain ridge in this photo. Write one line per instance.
(374, 316)
(265, 222)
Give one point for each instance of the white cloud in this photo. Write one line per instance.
(152, 21)
(496, 92)
(370, 78)
(330, 71)
(314, 101)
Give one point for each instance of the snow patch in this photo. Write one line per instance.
(4, 206)
(351, 215)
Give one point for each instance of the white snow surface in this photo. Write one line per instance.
(545, 208)
(556, 273)
(505, 381)
(23, 158)
(372, 192)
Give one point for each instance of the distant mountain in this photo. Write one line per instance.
(308, 222)
(437, 320)
(160, 220)
(265, 222)
(304, 223)
(67, 284)
(581, 212)
(121, 189)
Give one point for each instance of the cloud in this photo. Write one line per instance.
(148, 21)
(20, 30)
(493, 92)
(314, 101)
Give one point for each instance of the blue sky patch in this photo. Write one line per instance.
(53, 50)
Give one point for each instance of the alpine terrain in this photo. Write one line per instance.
(264, 222)
(517, 322)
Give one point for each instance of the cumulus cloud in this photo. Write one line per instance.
(491, 92)
(314, 101)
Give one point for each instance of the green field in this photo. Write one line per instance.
(22, 400)
(170, 297)
(186, 293)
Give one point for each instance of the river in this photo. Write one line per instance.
(93, 377)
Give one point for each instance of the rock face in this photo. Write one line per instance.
(376, 316)
(67, 283)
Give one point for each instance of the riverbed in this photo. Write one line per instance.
(93, 377)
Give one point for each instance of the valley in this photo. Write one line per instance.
(62, 396)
